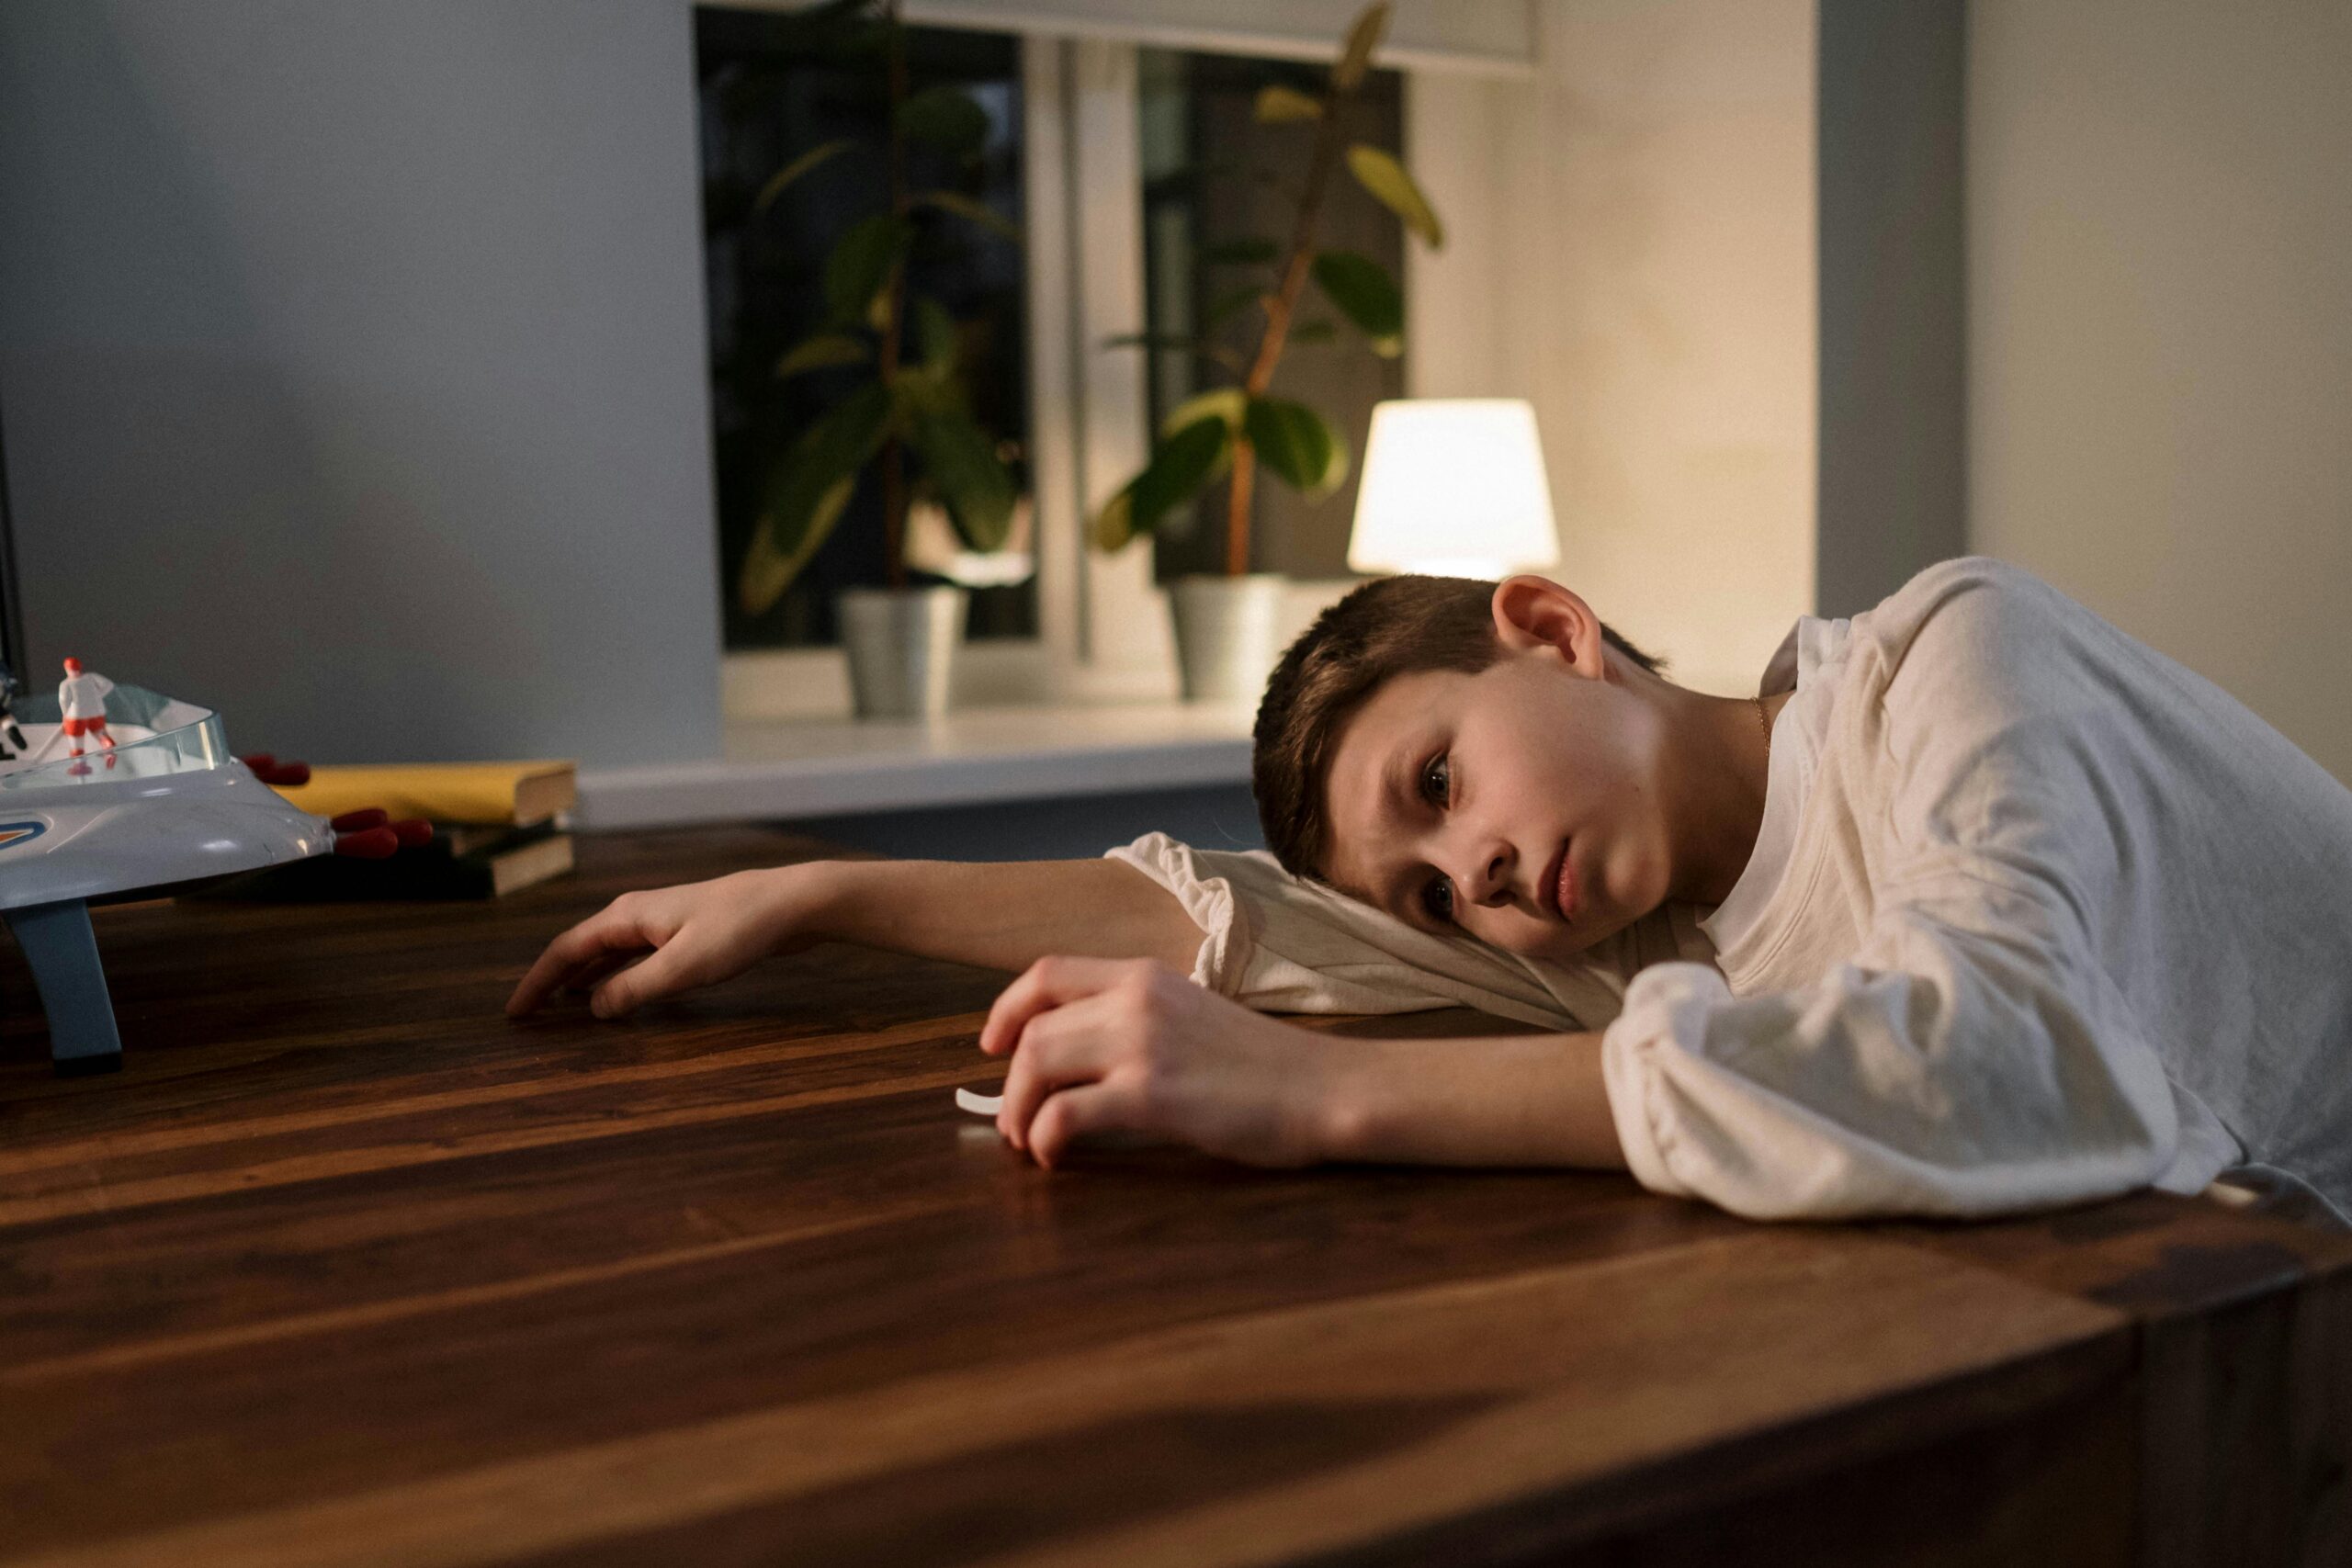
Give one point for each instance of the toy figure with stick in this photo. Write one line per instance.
(82, 695)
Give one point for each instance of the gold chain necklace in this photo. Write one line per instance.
(1765, 720)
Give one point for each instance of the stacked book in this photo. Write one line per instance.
(495, 829)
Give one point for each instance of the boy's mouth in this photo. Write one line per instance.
(1560, 885)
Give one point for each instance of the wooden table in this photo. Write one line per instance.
(347, 1268)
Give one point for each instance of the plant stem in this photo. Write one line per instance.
(894, 473)
(1237, 508)
(1279, 310)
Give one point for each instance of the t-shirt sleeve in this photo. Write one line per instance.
(1954, 1067)
(1971, 1057)
(1281, 943)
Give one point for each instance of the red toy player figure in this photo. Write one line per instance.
(83, 699)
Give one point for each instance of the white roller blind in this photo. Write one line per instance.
(1486, 36)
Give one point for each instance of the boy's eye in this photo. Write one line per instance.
(1437, 779)
(1438, 899)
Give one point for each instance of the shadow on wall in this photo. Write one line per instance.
(1077, 828)
(354, 369)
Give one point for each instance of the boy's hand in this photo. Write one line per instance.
(1103, 1044)
(643, 946)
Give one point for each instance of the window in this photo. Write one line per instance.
(1085, 138)
(773, 86)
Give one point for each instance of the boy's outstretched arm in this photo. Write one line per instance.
(1104, 1046)
(1003, 914)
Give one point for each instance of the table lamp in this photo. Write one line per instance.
(1453, 486)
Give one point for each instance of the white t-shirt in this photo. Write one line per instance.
(2037, 916)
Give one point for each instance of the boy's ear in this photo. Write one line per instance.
(1535, 612)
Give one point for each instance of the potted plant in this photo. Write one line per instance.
(1227, 625)
(906, 417)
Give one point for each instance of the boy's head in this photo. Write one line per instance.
(1440, 747)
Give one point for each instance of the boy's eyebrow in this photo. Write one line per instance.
(1388, 813)
(1382, 793)
(1389, 792)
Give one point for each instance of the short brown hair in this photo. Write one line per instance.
(1387, 627)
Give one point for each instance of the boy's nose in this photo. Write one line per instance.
(1490, 868)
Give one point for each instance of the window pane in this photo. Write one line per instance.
(1212, 175)
(772, 88)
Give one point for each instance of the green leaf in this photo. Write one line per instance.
(1366, 294)
(820, 353)
(963, 468)
(1298, 445)
(793, 171)
(808, 492)
(1386, 179)
(1240, 253)
(945, 117)
(1278, 105)
(1362, 38)
(972, 211)
(769, 567)
(1180, 466)
(1307, 334)
(862, 260)
(1114, 524)
(1231, 303)
(1223, 402)
(934, 333)
(921, 388)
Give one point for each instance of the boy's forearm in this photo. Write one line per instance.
(1536, 1099)
(1005, 915)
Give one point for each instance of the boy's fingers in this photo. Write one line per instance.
(1068, 1047)
(1048, 983)
(1072, 1114)
(589, 940)
(584, 977)
(665, 970)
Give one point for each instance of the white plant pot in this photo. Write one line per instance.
(902, 644)
(1229, 635)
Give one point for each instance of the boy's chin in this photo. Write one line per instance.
(1568, 944)
(1590, 931)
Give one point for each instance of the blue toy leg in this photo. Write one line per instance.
(64, 955)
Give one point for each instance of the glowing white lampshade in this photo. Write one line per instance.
(1453, 486)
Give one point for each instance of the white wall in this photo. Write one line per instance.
(1632, 248)
(2160, 342)
(351, 354)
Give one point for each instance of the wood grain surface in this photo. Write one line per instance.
(346, 1267)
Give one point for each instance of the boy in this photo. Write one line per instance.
(1978, 906)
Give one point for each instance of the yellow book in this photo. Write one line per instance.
(519, 793)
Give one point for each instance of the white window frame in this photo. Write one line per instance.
(1103, 626)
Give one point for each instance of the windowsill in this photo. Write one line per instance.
(783, 770)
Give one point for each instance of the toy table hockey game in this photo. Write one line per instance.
(166, 807)
(159, 807)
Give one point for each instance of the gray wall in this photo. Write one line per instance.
(1891, 480)
(351, 354)
(2160, 332)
